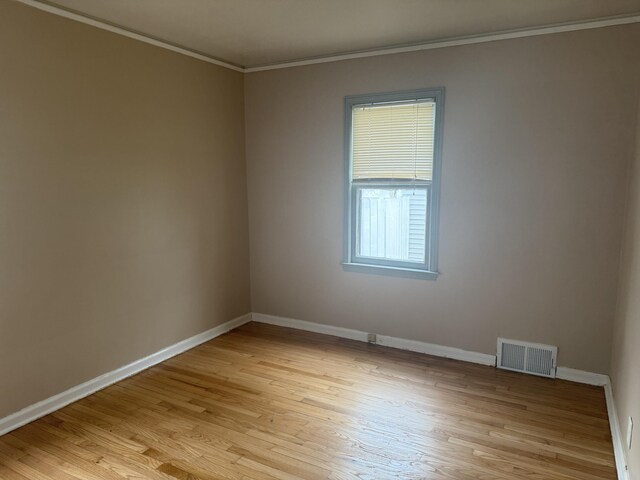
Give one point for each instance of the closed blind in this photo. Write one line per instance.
(393, 141)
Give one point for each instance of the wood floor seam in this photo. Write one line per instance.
(269, 402)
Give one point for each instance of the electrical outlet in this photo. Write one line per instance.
(371, 337)
(629, 432)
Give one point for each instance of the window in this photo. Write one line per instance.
(393, 146)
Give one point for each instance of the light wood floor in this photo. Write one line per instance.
(266, 402)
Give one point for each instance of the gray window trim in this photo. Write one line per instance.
(359, 264)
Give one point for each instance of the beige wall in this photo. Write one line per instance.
(625, 368)
(538, 136)
(123, 225)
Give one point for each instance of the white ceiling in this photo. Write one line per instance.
(262, 32)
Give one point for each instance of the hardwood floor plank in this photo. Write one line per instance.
(265, 402)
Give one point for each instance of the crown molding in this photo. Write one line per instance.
(444, 43)
(94, 22)
(454, 42)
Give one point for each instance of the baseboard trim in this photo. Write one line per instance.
(309, 326)
(580, 376)
(78, 392)
(51, 404)
(437, 350)
(616, 434)
(393, 342)
(562, 373)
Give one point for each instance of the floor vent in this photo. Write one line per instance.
(527, 357)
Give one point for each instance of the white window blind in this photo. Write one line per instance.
(393, 141)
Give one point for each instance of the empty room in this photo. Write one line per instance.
(320, 239)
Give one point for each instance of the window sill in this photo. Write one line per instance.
(391, 271)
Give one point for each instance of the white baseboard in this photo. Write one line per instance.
(580, 376)
(310, 326)
(394, 342)
(563, 373)
(600, 380)
(437, 350)
(78, 392)
(616, 434)
(40, 409)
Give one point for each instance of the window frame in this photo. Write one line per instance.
(353, 262)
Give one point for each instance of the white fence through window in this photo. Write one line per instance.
(392, 223)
